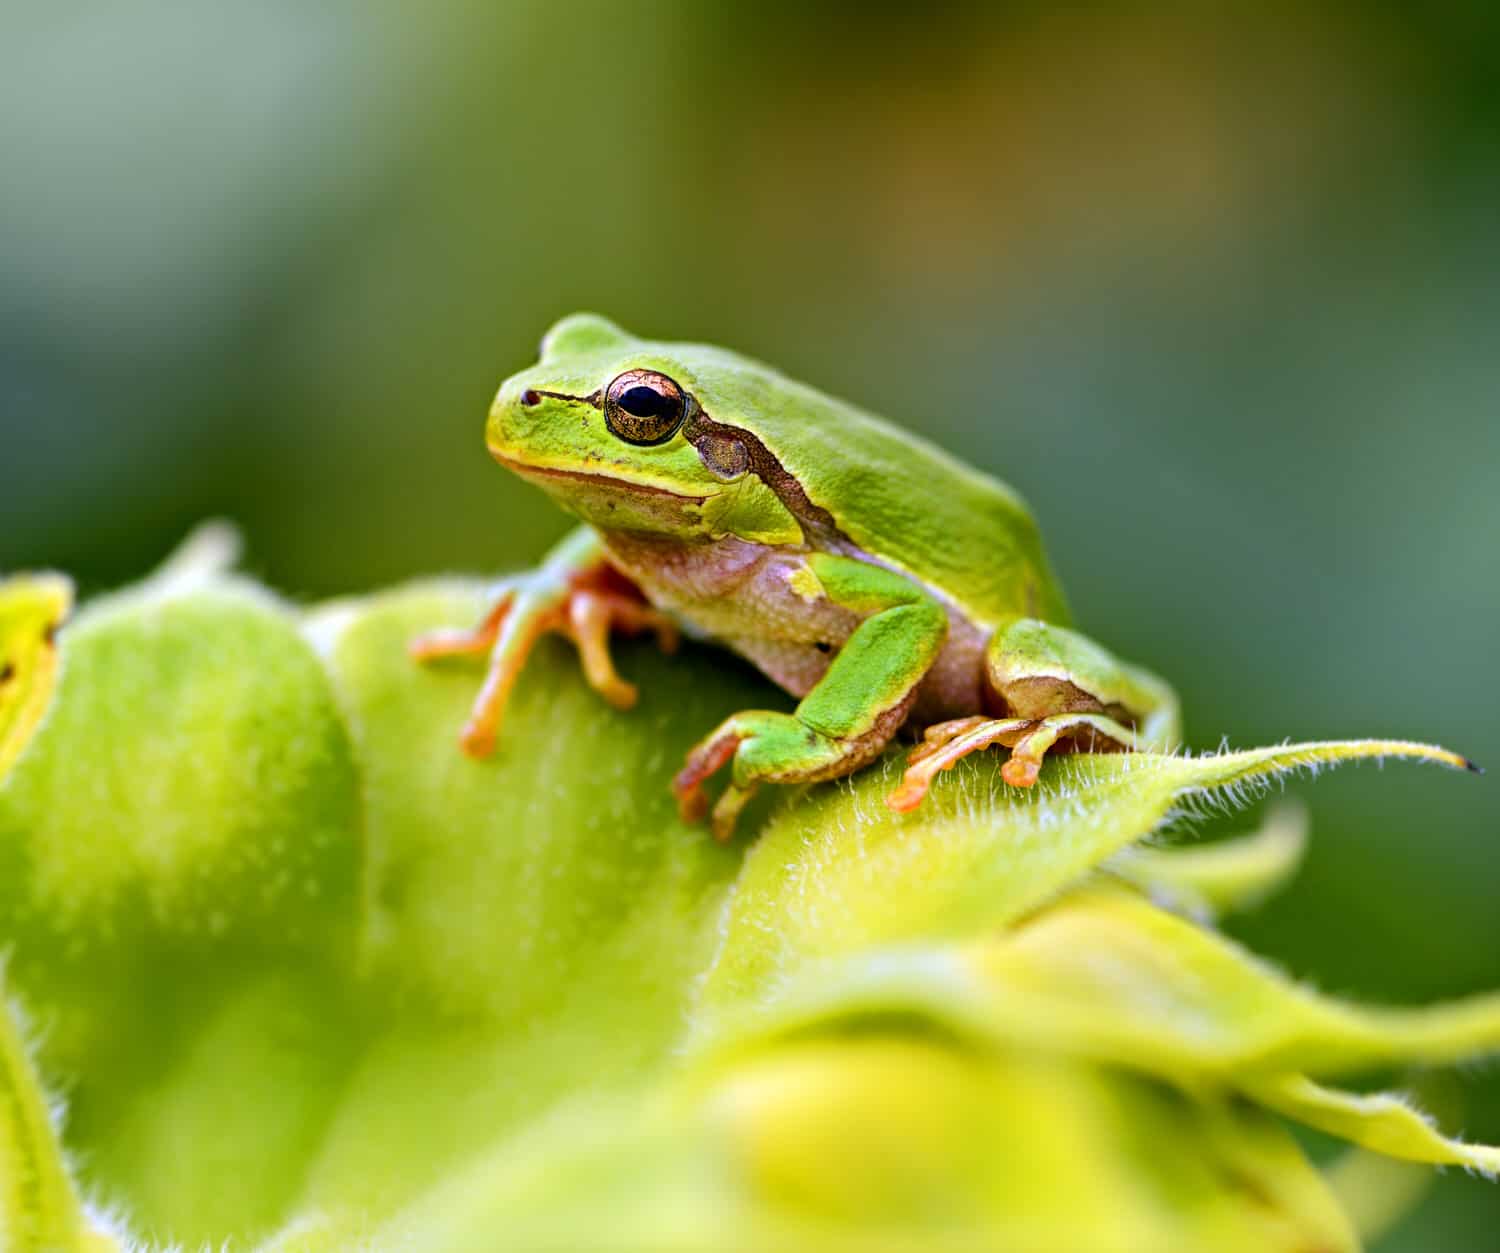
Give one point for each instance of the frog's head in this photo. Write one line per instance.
(621, 431)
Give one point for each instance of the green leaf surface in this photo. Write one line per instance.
(821, 881)
(313, 979)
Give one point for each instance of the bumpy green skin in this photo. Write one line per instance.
(835, 517)
(896, 496)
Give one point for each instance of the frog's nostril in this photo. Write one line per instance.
(529, 397)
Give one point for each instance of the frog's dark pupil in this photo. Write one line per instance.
(646, 402)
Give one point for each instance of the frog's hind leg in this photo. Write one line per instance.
(1059, 691)
(1040, 671)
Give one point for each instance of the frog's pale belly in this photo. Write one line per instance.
(758, 601)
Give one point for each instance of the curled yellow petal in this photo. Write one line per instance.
(32, 608)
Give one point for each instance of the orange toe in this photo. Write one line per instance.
(1020, 771)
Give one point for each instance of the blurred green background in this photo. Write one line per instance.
(1220, 294)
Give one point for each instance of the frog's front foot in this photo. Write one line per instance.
(583, 605)
(1029, 740)
(705, 760)
(765, 747)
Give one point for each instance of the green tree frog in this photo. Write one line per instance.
(869, 574)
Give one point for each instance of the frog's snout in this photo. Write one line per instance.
(501, 428)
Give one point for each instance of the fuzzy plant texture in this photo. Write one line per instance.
(286, 971)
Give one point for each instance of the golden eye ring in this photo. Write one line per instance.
(644, 407)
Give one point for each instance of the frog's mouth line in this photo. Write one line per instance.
(528, 470)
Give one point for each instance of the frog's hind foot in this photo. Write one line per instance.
(943, 746)
(1029, 740)
(1079, 733)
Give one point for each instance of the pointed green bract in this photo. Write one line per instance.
(39, 1205)
(1383, 1121)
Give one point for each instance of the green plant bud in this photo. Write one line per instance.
(313, 979)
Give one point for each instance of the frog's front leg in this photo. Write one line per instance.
(576, 593)
(848, 716)
(1058, 689)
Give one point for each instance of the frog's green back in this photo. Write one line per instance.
(894, 494)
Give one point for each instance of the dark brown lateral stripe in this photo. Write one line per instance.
(698, 425)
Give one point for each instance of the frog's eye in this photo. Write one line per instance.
(644, 407)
